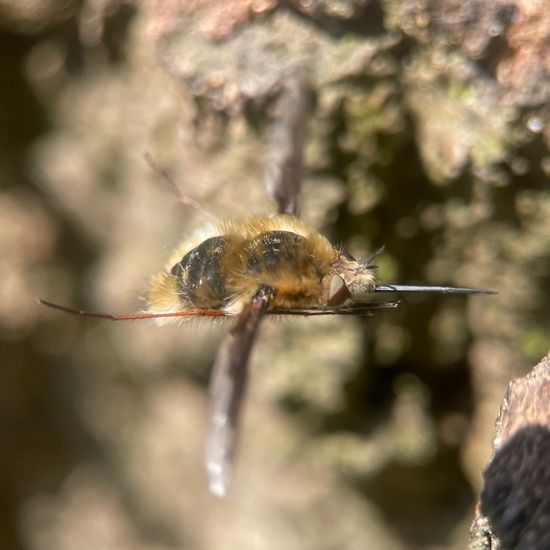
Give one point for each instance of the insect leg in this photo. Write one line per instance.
(227, 388)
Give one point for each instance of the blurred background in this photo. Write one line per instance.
(428, 133)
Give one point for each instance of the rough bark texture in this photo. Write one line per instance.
(514, 510)
(428, 133)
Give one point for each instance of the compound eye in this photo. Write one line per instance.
(338, 292)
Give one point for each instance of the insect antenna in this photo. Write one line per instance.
(134, 317)
(372, 257)
(181, 196)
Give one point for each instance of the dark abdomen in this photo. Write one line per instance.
(213, 273)
(201, 274)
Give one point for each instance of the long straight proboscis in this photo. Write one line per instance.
(138, 316)
(431, 289)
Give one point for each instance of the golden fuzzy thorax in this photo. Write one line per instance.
(280, 252)
(295, 279)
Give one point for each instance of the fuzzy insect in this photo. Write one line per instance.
(263, 265)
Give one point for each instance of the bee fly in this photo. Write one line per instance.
(263, 265)
(253, 268)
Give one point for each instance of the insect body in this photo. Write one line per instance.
(255, 267)
(303, 269)
(249, 269)
(260, 266)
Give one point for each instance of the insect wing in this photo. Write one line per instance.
(285, 145)
(227, 388)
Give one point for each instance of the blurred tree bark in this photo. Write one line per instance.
(429, 132)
